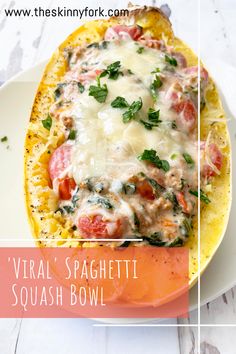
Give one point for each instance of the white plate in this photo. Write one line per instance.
(16, 98)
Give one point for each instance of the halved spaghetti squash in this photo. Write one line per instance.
(112, 145)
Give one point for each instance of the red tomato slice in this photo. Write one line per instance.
(95, 227)
(88, 76)
(59, 161)
(119, 31)
(182, 202)
(187, 113)
(217, 160)
(145, 190)
(65, 188)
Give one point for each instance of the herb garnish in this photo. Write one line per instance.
(153, 117)
(132, 110)
(98, 92)
(203, 196)
(176, 243)
(101, 201)
(4, 139)
(156, 84)
(75, 199)
(104, 44)
(47, 123)
(58, 90)
(155, 239)
(157, 70)
(171, 60)
(186, 227)
(119, 102)
(172, 198)
(151, 156)
(81, 87)
(147, 125)
(72, 134)
(113, 71)
(140, 50)
(188, 159)
(155, 185)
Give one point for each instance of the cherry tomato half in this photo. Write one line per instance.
(94, 226)
(117, 32)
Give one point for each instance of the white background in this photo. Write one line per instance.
(27, 41)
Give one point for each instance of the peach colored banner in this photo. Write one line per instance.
(101, 282)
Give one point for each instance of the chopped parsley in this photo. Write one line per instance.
(132, 110)
(155, 239)
(59, 90)
(81, 87)
(172, 198)
(156, 84)
(130, 72)
(171, 60)
(99, 92)
(74, 200)
(72, 134)
(186, 227)
(4, 139)
(104, 44)
(113, 71)
(119, 102)
(176, 243)
(68, 209)
(157, 70)
(165, 166)
(155, 185)
(104, 202)
(203, 196)
(153, 117)
(47, 123)
(151, 156)
(188, 159)
(140, 50)
(147, 125)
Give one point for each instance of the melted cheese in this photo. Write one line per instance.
(106, 146)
